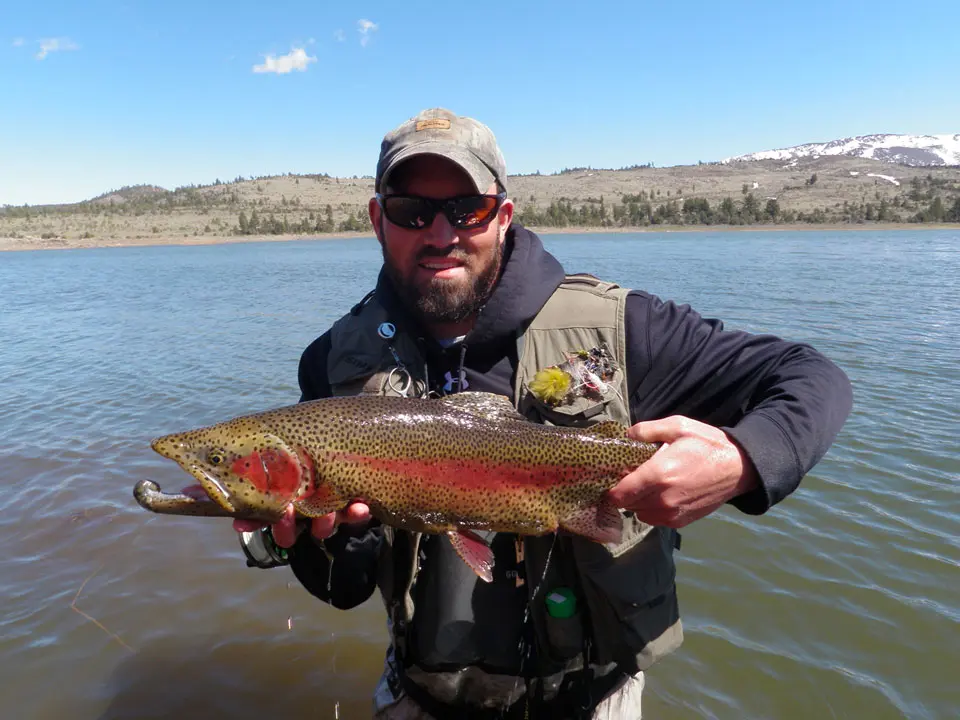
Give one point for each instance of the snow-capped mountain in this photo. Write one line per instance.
(916, 150)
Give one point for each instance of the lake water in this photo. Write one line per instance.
(843, 602)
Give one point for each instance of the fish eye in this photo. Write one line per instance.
(215, 457)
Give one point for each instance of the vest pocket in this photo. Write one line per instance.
(630, 592)
(581, 411)
(565, 635)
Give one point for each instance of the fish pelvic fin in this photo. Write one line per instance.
(601, 523)
(474, 552)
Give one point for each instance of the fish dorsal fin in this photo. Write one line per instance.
(489, 406)
(607, 429)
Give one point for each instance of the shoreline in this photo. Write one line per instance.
(20, 244)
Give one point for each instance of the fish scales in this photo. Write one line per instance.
(429, 463)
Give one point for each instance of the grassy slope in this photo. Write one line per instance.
(146, 214)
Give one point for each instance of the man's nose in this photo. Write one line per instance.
(441, 233)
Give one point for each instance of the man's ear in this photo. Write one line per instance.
(506, 217)
(376, 216)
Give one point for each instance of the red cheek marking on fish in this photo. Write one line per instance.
(283, 471)
(250, 468)
(311, 474)
(272, 471)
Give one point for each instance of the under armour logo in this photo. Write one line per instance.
(452, 382)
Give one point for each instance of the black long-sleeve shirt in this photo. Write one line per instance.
(782, 402)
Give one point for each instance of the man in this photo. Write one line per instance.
(468, 300)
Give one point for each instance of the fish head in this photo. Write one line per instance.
(246, 469)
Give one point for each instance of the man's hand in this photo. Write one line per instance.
(285, 531)
(697, 470)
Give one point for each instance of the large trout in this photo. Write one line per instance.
(464, 462)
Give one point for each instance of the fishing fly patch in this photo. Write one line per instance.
(585, 373)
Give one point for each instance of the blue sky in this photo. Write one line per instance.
(100, 94)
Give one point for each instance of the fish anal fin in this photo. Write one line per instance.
(474, 552)
(607, 429)
(601, 523)
(490, 406)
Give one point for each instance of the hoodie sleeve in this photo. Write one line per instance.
(343, 569)
(782, 402)
(312, 371)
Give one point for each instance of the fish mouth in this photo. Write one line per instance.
(212, 486)
(150, 497)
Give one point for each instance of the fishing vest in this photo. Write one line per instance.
(627, 615)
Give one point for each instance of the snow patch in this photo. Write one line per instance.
(888, 178)
(911, 149)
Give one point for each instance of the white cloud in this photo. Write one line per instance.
(49, 45)
(18, 42)
(365, 27)
(296, 59)
(339, 36)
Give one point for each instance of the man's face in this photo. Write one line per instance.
(444, 274)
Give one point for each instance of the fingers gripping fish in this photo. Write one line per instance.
(449, 466)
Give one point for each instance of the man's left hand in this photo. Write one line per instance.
(697, 469)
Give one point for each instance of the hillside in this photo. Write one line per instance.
(821, 189)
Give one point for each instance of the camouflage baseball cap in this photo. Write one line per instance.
(465, 141)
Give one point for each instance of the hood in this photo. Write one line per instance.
(529, 277)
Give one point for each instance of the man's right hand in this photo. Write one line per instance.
(285, 531)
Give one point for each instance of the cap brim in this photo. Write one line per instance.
(480, 174)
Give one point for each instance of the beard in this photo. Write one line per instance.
(442, 301)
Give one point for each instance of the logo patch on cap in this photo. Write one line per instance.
(433, 124)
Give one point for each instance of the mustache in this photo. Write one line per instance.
(438, 253)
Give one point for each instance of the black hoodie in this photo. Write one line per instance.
(782, 402)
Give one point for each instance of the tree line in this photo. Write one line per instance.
(634, 212)
(314, 222)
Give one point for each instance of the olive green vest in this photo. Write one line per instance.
(631, 616)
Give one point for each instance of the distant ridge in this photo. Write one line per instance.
(912, 150)
(128, 193)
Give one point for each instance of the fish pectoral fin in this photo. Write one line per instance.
(490, 406)
(601, 523)
(323, 500)
(607, 429)
(474, 552)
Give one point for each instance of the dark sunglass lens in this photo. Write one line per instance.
(473, 211)
(408, 212)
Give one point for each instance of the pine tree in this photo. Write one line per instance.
(937, 212)
(953, 214)
(772, 210)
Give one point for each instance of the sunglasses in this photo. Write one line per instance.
(464, 212)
